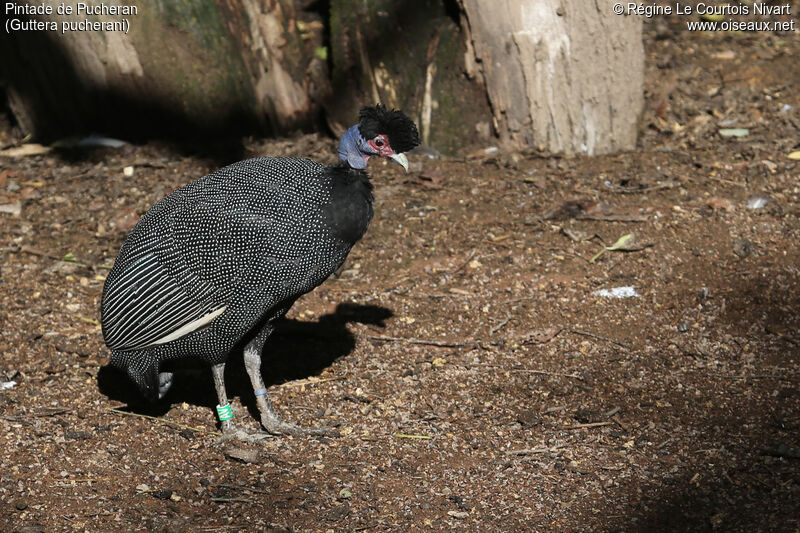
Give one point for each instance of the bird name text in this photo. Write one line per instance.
(65, 17)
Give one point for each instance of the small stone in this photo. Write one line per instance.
(127, 171)
(245, 455)
(337, 513)
(529, 418)
(742, 248)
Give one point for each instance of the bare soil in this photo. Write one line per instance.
(478, 380)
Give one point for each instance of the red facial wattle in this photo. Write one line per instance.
(381, 145)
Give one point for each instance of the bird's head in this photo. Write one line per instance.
(379, 132)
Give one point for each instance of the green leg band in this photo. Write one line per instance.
(224, 412)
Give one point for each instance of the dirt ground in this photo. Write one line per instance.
(479, 381)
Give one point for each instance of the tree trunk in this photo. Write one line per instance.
(408, 55)
(183, 68)
(563, 75)
(551, 74)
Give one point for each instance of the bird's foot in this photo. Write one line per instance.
(276, 426)
(164, 383)
(232, 432)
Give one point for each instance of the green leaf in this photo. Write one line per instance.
(70, 258)
(321, 53)
(621, 244)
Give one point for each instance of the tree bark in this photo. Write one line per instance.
(563, 75)
(196, 68)
(551, 74)
(411, 56)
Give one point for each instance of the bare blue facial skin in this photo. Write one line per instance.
(353, 148)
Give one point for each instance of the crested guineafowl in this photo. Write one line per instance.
(211, 267)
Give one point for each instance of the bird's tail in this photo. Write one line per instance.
(141, 372)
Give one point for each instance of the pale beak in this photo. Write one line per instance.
(400, 159)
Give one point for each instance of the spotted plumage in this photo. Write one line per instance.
(212, 265)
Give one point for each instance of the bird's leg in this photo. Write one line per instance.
(218, 371)
(225, 411)
(164, 383)
(269, 418)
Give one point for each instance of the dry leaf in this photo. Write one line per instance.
(25, 150)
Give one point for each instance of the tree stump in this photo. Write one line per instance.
(562, 75)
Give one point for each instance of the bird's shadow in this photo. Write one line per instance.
(296, 350)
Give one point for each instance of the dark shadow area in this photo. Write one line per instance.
(59, 104)
(406, 26)
(70, 107)
(743, 465)
(296, 350)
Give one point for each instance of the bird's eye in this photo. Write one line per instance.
(378, 142)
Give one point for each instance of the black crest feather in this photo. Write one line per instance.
(401, 130)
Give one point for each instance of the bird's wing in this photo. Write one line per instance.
(147, 305)
(242, 239)
(178, 270)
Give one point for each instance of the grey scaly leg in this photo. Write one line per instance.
(218, 371)
(164, 383)
(269, 418)
(229, 429)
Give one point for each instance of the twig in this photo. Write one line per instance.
(35, 251)
(161, 420)
(665, 443)
(589, 425)
(515, 300)
(18, 142)
(530, 451)
(728, 182)
(444, 344)
(614, 218)
(412, 436)
(545, 373)
(498, 327)
(242, 487)
(620, 423)
(309, 381)
(45, 411)
(226, 500)
(86, 319)
(634, 190)
(81, 479)
(760, 376)
(465, 263)
(599, 337)
(366, 65)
